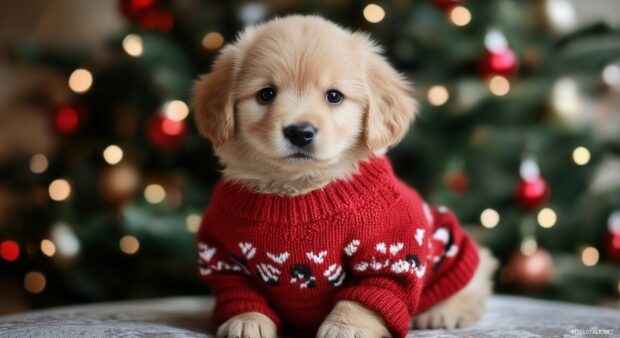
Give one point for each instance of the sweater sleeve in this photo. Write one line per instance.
(387, 274)
(230, 282)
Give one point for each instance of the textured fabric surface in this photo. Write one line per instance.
(370, 239)
(186, 317)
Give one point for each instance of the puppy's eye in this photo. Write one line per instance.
(267, 95)
(333, 96)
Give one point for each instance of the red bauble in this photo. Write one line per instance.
(457, 182)
(446, 5)
(67, 118)
(147, 14)
(612, 238)
(503, 62)
(9, 250)
(165, 133)
(530, 272)
(532, 193)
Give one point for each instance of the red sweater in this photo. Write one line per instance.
(369, 239)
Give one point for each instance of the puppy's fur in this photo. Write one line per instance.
(302, 57)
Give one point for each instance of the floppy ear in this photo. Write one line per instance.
(391, 106)
(212, 99)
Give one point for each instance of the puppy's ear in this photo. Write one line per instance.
(213, 101)
(391, 106)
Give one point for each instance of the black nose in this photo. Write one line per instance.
(300, 134)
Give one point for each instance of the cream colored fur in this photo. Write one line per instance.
(302, 57)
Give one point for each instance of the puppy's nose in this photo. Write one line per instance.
(301, 134)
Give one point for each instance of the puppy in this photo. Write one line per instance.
(309, 228)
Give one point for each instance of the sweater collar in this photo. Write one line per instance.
(372, 180)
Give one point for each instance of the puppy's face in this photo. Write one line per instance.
(300, 94)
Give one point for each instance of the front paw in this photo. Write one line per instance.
(248, 325)
(352, 320)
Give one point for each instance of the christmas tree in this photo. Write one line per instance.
(516, 134)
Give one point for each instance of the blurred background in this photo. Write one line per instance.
(103, 177)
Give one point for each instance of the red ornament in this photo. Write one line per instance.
(147, 14)
(612, 238)
(531, 193)
(530, 271)
(9, 250)
(457, 182)
(503, 62)
(447, 5)
(67, 119)
(165, 133)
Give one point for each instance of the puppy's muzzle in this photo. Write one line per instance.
(300, 135)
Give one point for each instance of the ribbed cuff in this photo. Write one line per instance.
(242, 301)
(393, 311)
(453, 280)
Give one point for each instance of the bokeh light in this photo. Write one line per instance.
(212, 41)
(80, 80)
(9, 250)
(34, 282)
(129, 245)
(438, 95)
(373, 13)
(499, 85)
(48, 248)
(176, 110)
(547, 218)
(59, 190)
(38, 163)
(193, 222)
(589, 256)
(154, 193)
(489, 218)
(113, 154)
(460, 16)
(581, 155)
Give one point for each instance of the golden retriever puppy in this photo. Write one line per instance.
(309, 229)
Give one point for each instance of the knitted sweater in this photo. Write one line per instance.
(369, 239)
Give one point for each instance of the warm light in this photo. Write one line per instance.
(113, 154)
(176, 110)
(489, 218)
(9, 250)
(529, 246)
(438, 95)
(193, 223)
(589, 256)
(132, 44)
(547, 218)
(67, 244)
(154, 193)
(34, 282)
(48, 248)
(581, 155)
(460, 16)
(499, 85)
(59, 190)
(373, 13)
(566, 100)
(80, 80)
(129, 245)
(212, 41)
(38, 163)
(611, 75)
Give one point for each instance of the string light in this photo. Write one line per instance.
(460, 16)
(373, 13)
(176, 110)
(38, 163)
(132, 44)
(34, 282)
(9, 250)
(80, 80)
(438, 95)
(48, 248)
(67, 244)
(611, 75)
(589, 256)
(499, 85)
(529, 246)
(59, 190)
(129, 245)
(547, 218)
(212, 41)
(113, 154)
(193, 223)
(489, 218)
(581, 155)
(154, 193)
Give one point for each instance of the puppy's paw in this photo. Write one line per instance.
(248, 325)
(465, 307)
(352, 320)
